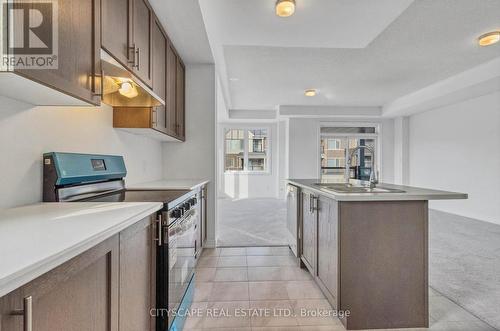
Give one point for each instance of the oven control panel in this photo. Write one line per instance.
(182, 209)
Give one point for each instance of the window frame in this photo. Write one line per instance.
(246, 130)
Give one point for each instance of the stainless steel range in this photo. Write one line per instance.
(100, 178)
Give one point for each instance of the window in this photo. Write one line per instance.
(339, 144)
(334, 144)
(246, 150)
(234, 144)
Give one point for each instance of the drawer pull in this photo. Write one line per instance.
(26, 313)
(159, 229)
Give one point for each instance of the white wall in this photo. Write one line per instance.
(401, 150)
(303, 149)
(283, 148)
(26, 133)
(195, 158)
(457, 148)
(249, 185)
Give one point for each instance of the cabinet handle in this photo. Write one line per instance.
(159, 230)
(155, 118)
(133, 61)
(312, 200)
(101, 93)
(138, 53)
(26, 313)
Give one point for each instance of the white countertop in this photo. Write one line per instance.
(169, 184)
(410, 192)
(37, 238)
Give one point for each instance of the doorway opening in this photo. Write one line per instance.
(250, 212)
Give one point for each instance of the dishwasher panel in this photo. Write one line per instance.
(292, 218)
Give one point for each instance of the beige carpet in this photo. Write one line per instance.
(251, 222)
(464, 257)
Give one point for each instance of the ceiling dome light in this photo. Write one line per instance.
(489, 38)
(285, 8)
(310, 93)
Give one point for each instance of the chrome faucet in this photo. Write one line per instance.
(373, 172)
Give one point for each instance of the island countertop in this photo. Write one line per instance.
(410, 192)
(37, 238)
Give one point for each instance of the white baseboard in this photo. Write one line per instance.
(210, 243)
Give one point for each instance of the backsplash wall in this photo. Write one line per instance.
(26, 133)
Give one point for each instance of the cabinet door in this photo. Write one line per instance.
(198, 227)
(137, 276)
(81, 294)
(159, 76)
(204, 214)
(115, 30)
(180, 88)
(309, 221)
(328, 244)
(77, 66)
(171, 90)
(142, 39)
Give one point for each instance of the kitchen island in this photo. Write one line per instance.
(368, 250)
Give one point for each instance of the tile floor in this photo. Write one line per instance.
(462, 267)
(234, 284)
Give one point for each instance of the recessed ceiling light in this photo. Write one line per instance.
(285, 8)
(489, 38)
(310, 93)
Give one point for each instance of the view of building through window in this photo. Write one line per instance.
(335, 152)
(234, 150)
(253, 157)
(257, 150)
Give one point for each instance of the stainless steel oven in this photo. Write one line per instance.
(181, 258)
(82, 177)
(178, 261)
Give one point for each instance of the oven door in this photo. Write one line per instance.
(181, 262)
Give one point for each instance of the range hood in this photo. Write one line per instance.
(122, 89)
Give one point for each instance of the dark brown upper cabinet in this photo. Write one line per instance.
(165, 123)
(74, 78)
(115, 30)
(171, 90)
(179, 107)
(142, 18)
(159, 120)
(127, 35)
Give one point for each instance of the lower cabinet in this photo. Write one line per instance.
(309, 224)
(204, 215)
(320, 242)
(81, 294)
(328, 243)
(137, 276)
(109, 287)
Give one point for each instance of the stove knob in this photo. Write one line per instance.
(187, 206)
(176, 213)
(193, 201)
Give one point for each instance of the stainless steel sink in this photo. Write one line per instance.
(349, 188)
